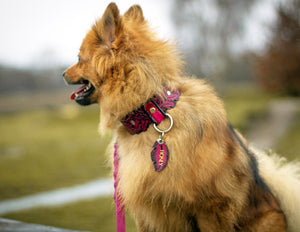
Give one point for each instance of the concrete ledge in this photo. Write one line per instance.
(7, 225)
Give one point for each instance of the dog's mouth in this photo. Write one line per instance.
(81, 95)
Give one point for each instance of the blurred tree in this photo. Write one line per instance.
(278, 69)
(208, 29)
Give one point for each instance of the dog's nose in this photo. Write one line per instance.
(64, 78)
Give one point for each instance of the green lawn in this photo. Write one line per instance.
(47, 149)
(244, 105)
(97, 215)
(289, 145)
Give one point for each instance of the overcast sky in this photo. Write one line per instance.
(41, 32)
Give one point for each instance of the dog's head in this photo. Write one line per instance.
(121, 63)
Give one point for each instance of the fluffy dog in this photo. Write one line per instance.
(200, 175)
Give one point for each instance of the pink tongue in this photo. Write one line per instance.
(72, 97)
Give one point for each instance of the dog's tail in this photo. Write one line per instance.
(283, 179)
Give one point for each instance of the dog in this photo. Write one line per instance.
(182, 167)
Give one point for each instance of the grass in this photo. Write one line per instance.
(289, 144)
(48, 149)
(94, 215)
(244, 105)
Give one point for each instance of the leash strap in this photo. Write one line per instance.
(120, 216)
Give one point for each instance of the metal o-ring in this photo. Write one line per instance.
(165, 131)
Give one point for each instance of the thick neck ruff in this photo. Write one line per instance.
(153, 111)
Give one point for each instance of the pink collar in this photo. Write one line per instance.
(152, 111)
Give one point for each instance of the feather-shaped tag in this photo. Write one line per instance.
(160, 155)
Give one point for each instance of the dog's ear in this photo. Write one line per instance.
(111, 23)
(135, 12)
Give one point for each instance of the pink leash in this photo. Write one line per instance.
(120, 217)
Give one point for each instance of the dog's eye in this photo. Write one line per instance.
(79, 60)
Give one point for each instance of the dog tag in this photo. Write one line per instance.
(160, 155)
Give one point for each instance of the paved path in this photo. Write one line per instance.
(94, 189)
(264, 134)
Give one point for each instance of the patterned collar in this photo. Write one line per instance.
(152, 111)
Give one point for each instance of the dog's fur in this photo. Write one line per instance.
(212, 181)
